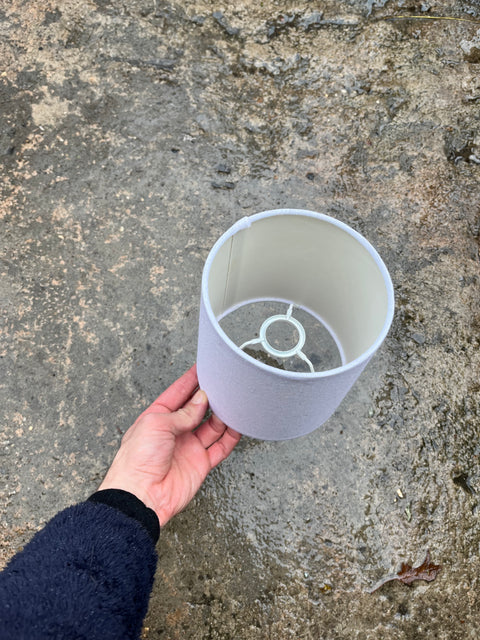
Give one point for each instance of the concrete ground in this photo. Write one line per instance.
(133, 133)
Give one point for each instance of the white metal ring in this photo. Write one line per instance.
(276, 352)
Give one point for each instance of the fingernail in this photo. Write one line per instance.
(200, 397)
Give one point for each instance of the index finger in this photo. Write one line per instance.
(177, 393)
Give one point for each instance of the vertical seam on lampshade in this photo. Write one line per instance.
(228, 273)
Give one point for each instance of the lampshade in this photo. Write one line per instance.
(308, 268)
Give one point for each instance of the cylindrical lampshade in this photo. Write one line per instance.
(309, 262)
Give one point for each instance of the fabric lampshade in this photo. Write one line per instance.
(309, 261)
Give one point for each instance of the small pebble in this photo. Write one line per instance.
(223, 168)
(223, 185)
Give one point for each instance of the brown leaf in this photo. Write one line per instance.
(426, 571)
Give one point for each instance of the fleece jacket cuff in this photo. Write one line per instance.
(131, 506)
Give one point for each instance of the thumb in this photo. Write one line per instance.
(190, 415)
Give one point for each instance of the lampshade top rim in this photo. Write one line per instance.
(245, 223)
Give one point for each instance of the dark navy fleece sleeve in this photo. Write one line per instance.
(87, 575)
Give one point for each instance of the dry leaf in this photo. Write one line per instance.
(426, 571)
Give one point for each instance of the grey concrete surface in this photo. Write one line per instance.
(133, 133)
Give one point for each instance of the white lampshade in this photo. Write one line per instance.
(311, 262)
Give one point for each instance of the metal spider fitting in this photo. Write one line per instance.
(269, 348)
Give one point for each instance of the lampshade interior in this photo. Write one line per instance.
(242, 326)
(310, 262)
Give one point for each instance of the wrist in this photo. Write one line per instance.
(129, 486)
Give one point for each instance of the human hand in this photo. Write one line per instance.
(162, 460)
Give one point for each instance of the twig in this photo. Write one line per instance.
(429, 18)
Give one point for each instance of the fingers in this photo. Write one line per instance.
(223, 447)
(218, 439)
(210, 431)
(178, 393)
(189, 416)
